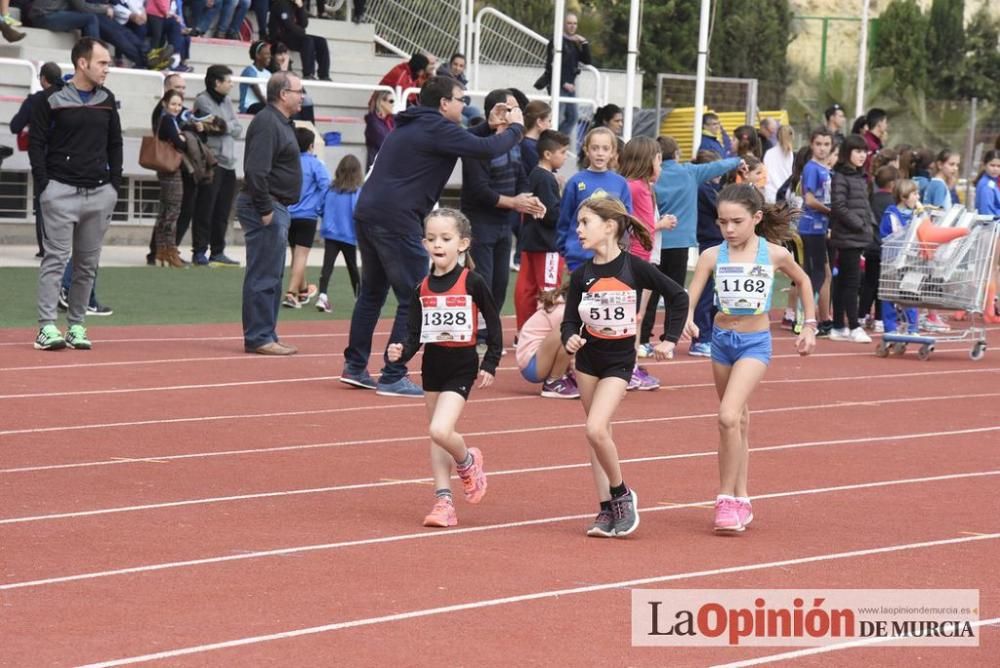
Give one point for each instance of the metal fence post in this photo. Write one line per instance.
(970, 147)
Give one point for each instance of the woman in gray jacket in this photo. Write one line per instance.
(851, 225)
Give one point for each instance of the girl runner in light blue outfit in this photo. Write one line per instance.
(744, 266)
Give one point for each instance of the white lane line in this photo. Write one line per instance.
(536, 596)
(319, 411)
(167, 388)
(310, 379)
(431, 535)
(422, 481)
(812, 651)
(304, 355)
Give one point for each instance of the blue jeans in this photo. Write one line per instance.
(69, 21)
(67, 282)
(567, 116)
(388, 259)
(265, 270)
(229, 12)
(126, 42)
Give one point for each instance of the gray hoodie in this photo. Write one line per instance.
(222, 145)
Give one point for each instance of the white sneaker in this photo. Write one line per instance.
(878, 327)
(323, 303)
(858, 335)
(840, 334)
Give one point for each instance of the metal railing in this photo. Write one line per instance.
(412, 26)
(32, 83)
(519, 46)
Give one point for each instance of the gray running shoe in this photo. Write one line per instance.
(603, 526)
(626, 513)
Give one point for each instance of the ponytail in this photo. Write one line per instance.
(552, 298)
(611, 208)
(777, 223)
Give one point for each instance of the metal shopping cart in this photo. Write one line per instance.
(951, 276)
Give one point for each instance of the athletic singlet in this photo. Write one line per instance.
(608, 308)
(744, 288)
(448, 318)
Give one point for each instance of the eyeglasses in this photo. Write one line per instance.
(300, 91)
(457, 99)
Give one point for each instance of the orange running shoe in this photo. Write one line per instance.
(474, 477)
(442, 514)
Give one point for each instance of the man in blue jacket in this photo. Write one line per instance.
(406, 181)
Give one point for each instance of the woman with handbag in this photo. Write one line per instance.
(169, 142)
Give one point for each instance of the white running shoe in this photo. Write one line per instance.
(858, 335)
(840, 334)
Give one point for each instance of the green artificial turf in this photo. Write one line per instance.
(157, 295)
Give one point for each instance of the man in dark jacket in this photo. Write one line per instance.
(50, 75)
(575, 51)
(409, 174)
(272, 181)
(494, 191)
(76, 161)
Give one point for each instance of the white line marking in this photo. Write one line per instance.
(336, 444)
(311, 379)
(304, 355)
(319, 411)
(429, 535)
(386, 482)
(864, 642)
(535, 596)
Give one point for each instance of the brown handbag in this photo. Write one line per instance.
(159, 155)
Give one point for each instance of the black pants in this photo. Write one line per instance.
(40, 225)
(845, 287)
(213, 206)
(869, 285)
(673, 264)
(313, 50)
(492, 261)
(333, 248)
(187, 210)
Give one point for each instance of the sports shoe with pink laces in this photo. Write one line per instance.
(442, 514)
(474, 478)
(745, 513)
(727, 516)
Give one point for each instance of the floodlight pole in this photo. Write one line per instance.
(630, 67)
(555, 83)
(699, 86)
(859, 107)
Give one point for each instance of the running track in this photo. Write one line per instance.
(166, 498)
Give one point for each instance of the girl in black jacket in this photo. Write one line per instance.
(851, 231)
(287, 24)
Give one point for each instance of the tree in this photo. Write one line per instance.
(901, 44)
(946, 47)
(982, 58)
(750, 40)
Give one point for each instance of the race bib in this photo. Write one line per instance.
(743, 288)
(609, 314)
(446, 318)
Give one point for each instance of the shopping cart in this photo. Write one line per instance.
(950, 276)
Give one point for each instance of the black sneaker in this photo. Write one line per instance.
(63, 304)
(824, 328)
(626, 514)
(99, 310)
(603, 526)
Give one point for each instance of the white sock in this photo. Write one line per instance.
(743, 499)
(725, 497)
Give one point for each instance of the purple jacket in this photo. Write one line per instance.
(376, 130)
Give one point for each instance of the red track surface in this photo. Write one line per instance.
(173, 494)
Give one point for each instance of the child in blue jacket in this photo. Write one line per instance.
(337, 228)
(896, 218)
(304, 214)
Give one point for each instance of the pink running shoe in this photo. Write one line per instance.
(727, 516)
(745, 512)
(474, 478)
(442, 514)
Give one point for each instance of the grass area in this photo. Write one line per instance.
(155, 295)
(161, 296)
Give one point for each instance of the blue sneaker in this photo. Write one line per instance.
(361, 379)
(403, 387)
(701, 350)
(199, 260)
